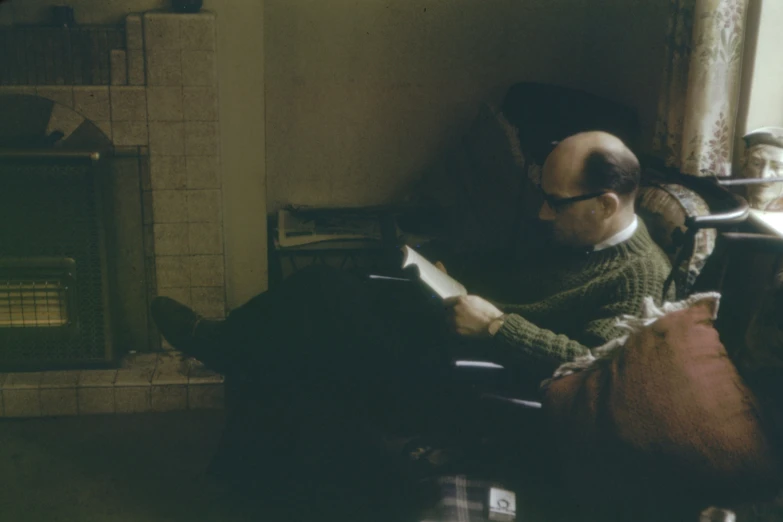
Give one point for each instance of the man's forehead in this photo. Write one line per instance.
(561, 174)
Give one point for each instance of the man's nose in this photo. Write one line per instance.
(768, 172)
(546, 213)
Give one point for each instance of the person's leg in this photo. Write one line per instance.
(379, 347)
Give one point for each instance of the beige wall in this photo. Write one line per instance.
(361, 95)
(241, 80)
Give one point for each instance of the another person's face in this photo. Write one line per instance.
(575, 223)
(764, 161)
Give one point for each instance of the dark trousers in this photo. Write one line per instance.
(327, 353)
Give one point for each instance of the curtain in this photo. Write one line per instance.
(700, 89)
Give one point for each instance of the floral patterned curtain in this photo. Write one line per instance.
(700, 92)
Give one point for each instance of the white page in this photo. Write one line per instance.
(442, 284)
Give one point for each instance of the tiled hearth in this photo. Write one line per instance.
(146, 382)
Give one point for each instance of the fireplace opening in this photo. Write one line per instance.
(54, 299)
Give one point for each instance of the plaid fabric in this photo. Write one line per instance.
(462, 500)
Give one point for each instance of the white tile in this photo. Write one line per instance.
(60, 379)
(165, 103)
(172, 239)
(169, 206)
(197, 32)
(132, 399)
(171, 369)
(205, 238)
(98, 400)
(203, 172)
(200, 103)
(134, 377)
(97, 378)
(130, 133)
(169, 397)
(118, 67)
(206, 397)
(167, 138)
(161, 31)
(202, 138)
(204, 206)
(168, 172)
(23, 381)
(128, 103)
(209, 302)
(207, 270)
(199, 68)
(92, 102)
(56, 402)
(164, 67)
(58, 94)
(22, 402)
(172, 271)
(136, 67)
(134, 32)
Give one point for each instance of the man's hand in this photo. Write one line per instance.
(471, 315)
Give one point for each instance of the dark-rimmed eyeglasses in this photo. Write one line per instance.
(556, 203)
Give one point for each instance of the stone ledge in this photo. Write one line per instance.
(150, 382)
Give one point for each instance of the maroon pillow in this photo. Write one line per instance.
(666, 415)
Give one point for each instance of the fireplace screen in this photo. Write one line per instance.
(53, 295)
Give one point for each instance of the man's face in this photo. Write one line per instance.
(577, 223)
(763, 161)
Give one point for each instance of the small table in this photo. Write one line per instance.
(363, 254)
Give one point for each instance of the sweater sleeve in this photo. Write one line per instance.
(524, 342)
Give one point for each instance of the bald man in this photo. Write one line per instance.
(386, 353)
(567, 302)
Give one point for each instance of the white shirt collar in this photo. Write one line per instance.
(623, 235)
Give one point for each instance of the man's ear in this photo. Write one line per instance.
(610, 203)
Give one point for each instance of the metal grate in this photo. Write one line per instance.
(33, 304)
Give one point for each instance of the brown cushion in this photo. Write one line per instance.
(665, 415)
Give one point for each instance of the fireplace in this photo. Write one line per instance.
(144, 219)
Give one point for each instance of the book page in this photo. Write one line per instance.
(442, 284)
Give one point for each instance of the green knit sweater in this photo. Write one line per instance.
(569, 303)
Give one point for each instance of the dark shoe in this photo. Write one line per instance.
(184, 329)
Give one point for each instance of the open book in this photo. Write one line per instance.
(442, 284)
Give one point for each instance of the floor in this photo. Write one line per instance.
(144, 467)
(116, 468)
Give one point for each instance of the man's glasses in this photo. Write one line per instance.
(556, 203)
